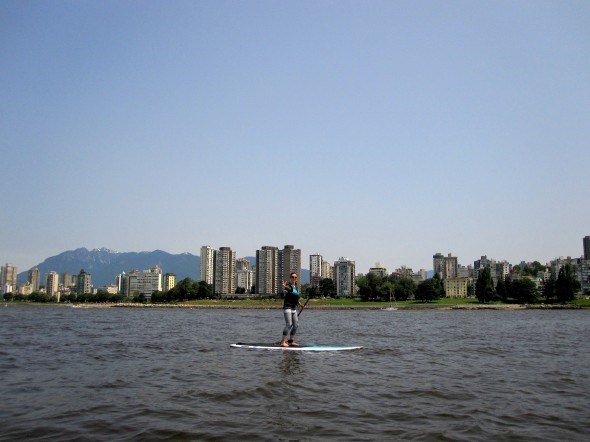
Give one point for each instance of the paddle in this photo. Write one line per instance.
(299, 313)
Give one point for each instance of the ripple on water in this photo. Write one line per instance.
(169, 374)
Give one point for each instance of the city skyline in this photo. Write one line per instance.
(208, 252)
(380, 131)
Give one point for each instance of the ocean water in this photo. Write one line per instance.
(121, 374)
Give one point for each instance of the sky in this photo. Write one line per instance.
(380, 131)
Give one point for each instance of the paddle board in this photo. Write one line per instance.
(300, 348)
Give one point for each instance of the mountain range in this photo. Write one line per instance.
(104, 265)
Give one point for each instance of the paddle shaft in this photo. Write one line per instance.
(298, 314)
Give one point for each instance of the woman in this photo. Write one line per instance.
(290, 304)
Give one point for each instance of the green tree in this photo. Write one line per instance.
(549, 290)
(501, 293)
(39, 297)
(182, 290)
(404, 288)
(566, 285)
(523, 291)
(441, 286)
(369, 287)
(428, 290)
(203, 290)
(484, 286)
(327, 288)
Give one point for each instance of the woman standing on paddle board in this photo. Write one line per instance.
(290, 304)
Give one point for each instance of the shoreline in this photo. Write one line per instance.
(225, 305)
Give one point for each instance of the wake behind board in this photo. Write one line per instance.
(300, 348)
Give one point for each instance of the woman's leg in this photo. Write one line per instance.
(288, 326)
(295, 324)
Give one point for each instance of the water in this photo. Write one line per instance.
(169, 374)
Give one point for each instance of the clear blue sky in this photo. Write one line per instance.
(383, 131)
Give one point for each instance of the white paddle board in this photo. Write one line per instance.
(298, 348)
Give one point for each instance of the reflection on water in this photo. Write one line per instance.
(290, 364)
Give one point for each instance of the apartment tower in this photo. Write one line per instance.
(52, 287)
(315, 269)
(344, 275)
(224, 271)
(289, 262)
(33, 278)
(267, 271)
(207, 261)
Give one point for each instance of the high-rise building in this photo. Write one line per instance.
(327, 270)
(69, 280)
(586, 242)
(122, 282)
(52, 286)
(315, 269)
(169, 281)
(245, 279)
(207, 262)
(224, 271)
(289, 262)
(267, 271)
(344, 276)
(83, 283)
(145, 282)
(33, 279)
(242, 264)
(450, 266)
(438, 263)
(9, 274)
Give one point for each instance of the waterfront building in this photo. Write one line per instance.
(25, 289)
(224, 273)
(245, 279)
(111, 289)
(33, 278)
(69, 280)
(289, 262)
(9, 276)
(450, 266)
(267, 271)
(52, 285)
(378, 270)
(169, 281)
(344, 275)
(456, 287)
(242, 264)
(207, 262)
(438, 264)
(315, 269)
(584, 275)
(327, 270)
(144, 282)
(83, 283)
(121, 281)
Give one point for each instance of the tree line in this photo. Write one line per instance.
(525, 291)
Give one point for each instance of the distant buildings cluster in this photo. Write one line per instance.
(228, 275)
